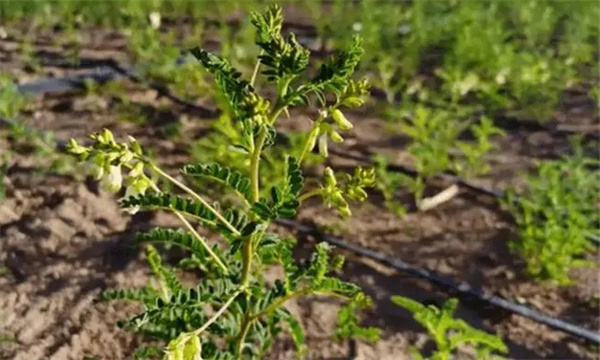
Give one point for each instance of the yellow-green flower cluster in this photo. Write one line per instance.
(107, 159)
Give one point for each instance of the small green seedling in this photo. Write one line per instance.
(156, 60)
(11, 99)
(232, 312)
(437, 146)
(388, 182)
(19, 138)
(449, 333)
(555, 214)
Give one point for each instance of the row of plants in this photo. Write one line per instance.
(509, 56)
(248, 313)
(446, 68)
(437, 137)
(496, 56)
(556, 213)
(437, 133)
(420, 120)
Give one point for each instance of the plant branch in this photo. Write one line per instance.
(201, 240)
(255, 72)
(196, 197)
(248, 320)
(218, 313)
(282, 300)
(255, 164)
(309, 194)
(194, 232)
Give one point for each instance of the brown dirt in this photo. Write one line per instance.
(63, 242)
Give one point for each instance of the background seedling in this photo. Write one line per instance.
(449, 333)
(558, 207)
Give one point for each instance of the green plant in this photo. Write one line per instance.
(449, 333)
(233, 313)
(216, 147)
(156, 59)
(388, 182)
(11, 99)
(19, 138)
(554, 215)
(437, 145)
(27, 53)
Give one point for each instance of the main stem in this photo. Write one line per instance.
(254, 164)
(243, 333)
(248, 247)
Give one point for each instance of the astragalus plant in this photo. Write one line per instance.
(233, 312)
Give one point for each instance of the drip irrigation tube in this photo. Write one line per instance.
(104, 71)
(462, 289)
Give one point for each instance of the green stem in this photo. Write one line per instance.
(275, 305)
(254, 164)
(247, 250)
(306, 195)
(201, 240)
(248, 247)
(194, 232)
(218, 313)
(255, 72)
(243, 333)
(197, 198)
(281, 301)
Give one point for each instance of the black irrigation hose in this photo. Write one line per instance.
(100, 75)
(104, 71)
(462, 289)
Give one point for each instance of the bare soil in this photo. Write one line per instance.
(63, 241)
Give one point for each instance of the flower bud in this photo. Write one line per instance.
(335, 137)
(329, 177)
(107, 137)
(340, 120)
(74, 148)
(353, 102)
(323, 146)
(137, 170)
(154, 18)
